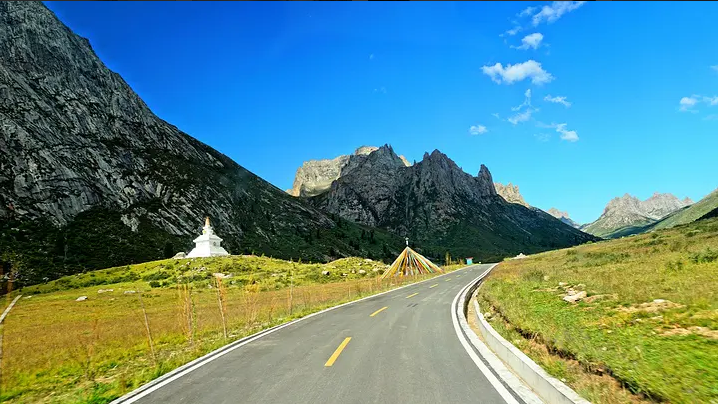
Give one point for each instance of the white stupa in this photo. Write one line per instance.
(207, 244)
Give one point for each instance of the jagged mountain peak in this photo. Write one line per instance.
(432, 200)
(364, 150)
(314, 177)
(511, 193)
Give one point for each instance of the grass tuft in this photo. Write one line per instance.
(650, 318)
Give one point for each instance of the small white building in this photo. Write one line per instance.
(207, 244)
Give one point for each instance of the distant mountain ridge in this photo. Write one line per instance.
(563, 216)
(705, 208)
(628, 214)
(436, 203)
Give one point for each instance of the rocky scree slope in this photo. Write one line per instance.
(437, 204)
(91, 178)
(629, 215)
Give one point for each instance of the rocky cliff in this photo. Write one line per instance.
(628, 214)
(436, 203)
(563, 216)
(510, 193)
(90, 177)
(316, 176)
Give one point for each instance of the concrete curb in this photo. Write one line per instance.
(169, 377)
(490, 359)
(547, 387)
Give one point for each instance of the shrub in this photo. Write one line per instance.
(156, 276)
(704, 256)
(154, 284)
(676, 265)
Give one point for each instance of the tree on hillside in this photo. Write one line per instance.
(168, 251)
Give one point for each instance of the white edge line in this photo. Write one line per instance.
(560, 388)
(518, 385)
(7, 310)
(168, 378)
(503, 392)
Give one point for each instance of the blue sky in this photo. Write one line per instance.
(272, 84)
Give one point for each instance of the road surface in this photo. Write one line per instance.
(399, 347)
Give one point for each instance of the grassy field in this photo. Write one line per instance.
(141, 321)
(649, 319)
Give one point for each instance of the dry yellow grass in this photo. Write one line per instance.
(57, 349)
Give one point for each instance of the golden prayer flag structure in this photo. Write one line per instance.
(410, 262)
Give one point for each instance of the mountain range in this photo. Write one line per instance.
(435, 203)
(629, 215)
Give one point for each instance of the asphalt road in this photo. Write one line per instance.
(408, 352)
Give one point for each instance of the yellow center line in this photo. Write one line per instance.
(412, 295)
(378, 311)
(339, 350)
(448, 279)
(434, 285)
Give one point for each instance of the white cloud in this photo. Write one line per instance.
(526, 103)
(688, 104)
(554, 11)
(496, 115)
(521, 117)
(518, 72)
(513, 31)
(542, 137)
(530, 41)
(371, 56)
(568, 135)
(711, 117)
(715, 67)
(478, 129)
(527, 11)
(380, 90)
(557, 100)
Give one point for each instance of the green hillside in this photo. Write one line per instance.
(688, 214)
(647, 314)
